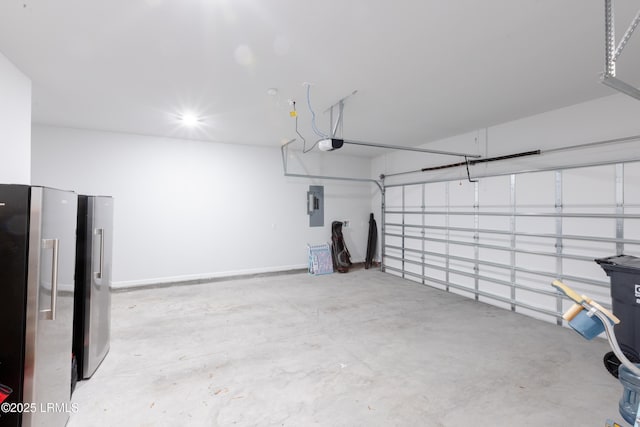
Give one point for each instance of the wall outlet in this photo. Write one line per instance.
(345, 223)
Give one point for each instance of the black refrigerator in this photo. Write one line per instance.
(37, 262)
(92, 313)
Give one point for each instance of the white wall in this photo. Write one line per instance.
(15, 124)
(605, 118)
(188, 210)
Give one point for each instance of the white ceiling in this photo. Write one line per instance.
(423, 69)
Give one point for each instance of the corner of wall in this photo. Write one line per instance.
(15, 126)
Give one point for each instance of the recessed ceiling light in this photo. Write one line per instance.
(189, 119)
(272, 91)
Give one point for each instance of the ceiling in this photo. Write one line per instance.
(422, 70)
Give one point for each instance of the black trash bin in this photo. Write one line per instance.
(624, 271)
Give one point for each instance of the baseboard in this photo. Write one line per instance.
(193, 279)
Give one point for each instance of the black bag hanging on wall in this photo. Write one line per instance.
(341, 256)
(372, 242)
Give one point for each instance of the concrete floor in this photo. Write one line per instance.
(357, 349)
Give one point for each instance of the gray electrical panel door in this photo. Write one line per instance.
(315, 205)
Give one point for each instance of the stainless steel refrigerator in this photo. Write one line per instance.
(37, 260)
(92, 314)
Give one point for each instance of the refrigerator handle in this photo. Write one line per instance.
(100, 231)
(55, 245)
